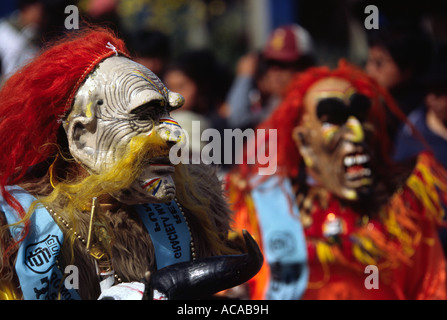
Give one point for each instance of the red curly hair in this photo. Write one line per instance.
(34, 100)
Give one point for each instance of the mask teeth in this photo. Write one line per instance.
(358, 159)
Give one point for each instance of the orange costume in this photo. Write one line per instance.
(379, 239)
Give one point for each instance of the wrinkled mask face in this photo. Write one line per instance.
(122, 100)
(333, 138)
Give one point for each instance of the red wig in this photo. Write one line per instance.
(288, 115)
(34, 100)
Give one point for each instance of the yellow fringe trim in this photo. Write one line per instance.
(427, 182)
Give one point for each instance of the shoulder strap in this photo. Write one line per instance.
(36, 268)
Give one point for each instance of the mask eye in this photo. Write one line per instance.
(332, 110)
(359, 106)
(149, 110)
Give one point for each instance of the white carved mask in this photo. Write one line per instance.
(119, 100)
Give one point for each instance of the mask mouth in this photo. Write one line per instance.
(357, 169)
(161, 165)
(160, 161)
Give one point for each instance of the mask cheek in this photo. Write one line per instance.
(302, 135)
(155, 185)
(328, 132)
(151, 186)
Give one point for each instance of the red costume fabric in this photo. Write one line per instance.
(402, 242)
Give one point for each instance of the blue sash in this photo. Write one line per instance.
(39, 277)
(38, 274)
(168, 230)
(283, 240)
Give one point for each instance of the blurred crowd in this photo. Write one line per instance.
(402, 57)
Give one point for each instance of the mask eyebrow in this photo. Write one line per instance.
(153, 82)
(343, 95)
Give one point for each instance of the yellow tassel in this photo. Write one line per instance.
(324, 252)
(8, 292)
(50, 170)
(362, 256)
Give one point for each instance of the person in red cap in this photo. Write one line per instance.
(262, 78)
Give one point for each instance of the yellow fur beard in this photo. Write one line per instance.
(72, 198)
(120, 176)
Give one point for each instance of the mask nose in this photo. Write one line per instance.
(170, 130)
(355, 132)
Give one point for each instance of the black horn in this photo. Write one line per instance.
(204, 277)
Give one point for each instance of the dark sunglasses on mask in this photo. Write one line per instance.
(336, 111)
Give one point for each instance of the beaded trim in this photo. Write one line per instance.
(191, 244)
(80, 238)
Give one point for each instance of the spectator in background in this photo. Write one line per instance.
(24, 31)
(398, 56)
(203, 81)
(430, 120)
(19, 35)
(151, 48)
(261, 79)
